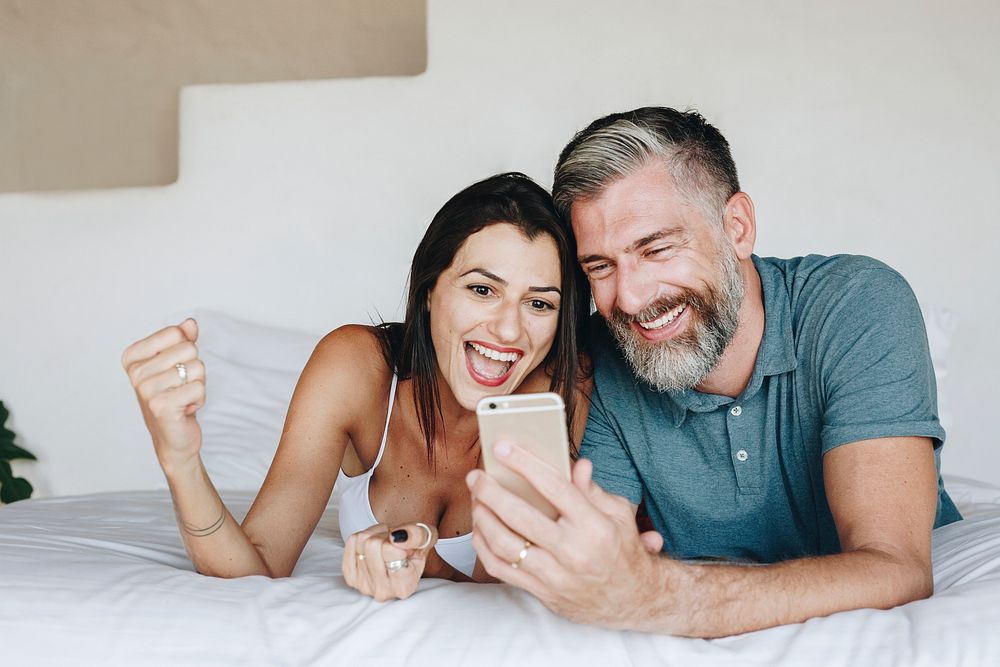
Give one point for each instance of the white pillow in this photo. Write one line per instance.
(941, 324)
(250, 371)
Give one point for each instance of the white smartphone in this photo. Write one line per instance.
(535, 422)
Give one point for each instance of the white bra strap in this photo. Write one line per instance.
(385, 431)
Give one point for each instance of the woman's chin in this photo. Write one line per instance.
(472, 392)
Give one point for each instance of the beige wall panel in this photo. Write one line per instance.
(89, 89)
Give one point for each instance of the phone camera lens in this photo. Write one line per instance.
(493, 406)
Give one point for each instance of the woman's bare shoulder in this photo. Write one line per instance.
(349, 363)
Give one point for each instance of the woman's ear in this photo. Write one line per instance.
(740, 225)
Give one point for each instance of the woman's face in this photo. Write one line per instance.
(495, 312)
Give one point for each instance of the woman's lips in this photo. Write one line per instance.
(486, 380)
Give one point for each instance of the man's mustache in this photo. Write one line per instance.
(657, 308)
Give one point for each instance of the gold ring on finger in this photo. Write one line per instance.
(521, 555)
(360, 556)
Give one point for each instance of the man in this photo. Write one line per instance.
(778, 417)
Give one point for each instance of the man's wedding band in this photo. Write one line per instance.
(521, 556)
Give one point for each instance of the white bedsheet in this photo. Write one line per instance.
(103, 580)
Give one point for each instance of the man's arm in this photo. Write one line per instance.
(591, 565)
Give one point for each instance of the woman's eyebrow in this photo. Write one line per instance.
(488, 274)
(495, 277)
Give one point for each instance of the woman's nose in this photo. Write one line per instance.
(506, 325)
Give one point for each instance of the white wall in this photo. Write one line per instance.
(857, 127)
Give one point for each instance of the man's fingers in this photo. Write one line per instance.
(500, 568)
(582, 471)
(559, 491)
(652, 541)
(519, 517)
(509, 547)
(601, 499)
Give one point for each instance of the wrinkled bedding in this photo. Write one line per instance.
(103, 579)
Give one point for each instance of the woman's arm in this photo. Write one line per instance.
(329, 395)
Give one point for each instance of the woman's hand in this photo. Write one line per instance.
(387, 564)
(169, 381)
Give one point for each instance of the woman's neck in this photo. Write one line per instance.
(457, 426)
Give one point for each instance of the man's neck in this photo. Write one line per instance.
(732, 374)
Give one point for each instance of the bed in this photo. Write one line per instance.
(103, 579)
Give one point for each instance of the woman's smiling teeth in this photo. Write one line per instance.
(495, 354)
(490, 363)
(664, 319)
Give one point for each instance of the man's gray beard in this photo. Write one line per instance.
(683, 363)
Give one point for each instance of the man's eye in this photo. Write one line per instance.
(659, 250)
(597, 269)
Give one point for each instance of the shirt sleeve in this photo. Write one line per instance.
(603, 444)
(876, 371)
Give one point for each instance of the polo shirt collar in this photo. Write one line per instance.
(775, 356)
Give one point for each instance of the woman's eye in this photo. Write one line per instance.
(481, 290)
(538, 304)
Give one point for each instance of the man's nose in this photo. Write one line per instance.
(634, 290)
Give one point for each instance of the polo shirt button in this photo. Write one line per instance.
(742, 454)
(736, 412)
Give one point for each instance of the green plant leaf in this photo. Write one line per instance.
(17, 489)
(6, 435)
(9, 451)
(12, 488)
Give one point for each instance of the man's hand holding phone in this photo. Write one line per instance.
(583, 558)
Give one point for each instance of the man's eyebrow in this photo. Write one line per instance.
(676, 232)
(495, 277)
(655, 236)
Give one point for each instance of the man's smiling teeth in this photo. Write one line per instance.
(494, 354)
(664, 319)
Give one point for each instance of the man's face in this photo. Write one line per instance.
(664, 277)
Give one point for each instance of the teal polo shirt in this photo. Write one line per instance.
(844, 358)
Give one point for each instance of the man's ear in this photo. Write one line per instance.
(740, 225)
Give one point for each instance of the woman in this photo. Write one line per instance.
(495, 301)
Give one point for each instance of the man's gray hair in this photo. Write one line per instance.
(695, 153)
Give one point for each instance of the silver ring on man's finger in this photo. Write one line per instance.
(397, 565)
(182, 372)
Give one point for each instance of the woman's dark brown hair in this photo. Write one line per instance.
(510, 198)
